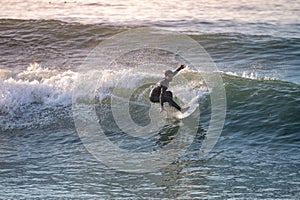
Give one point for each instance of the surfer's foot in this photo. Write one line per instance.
(183, 110)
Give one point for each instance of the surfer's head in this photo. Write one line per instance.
(169, 75)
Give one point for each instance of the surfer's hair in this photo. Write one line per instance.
(168, 72)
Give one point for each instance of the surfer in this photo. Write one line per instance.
(159, 93)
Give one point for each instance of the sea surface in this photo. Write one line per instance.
(255, 46)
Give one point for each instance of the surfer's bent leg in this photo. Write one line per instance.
(169, 98)
(169, 94)
(174, 104)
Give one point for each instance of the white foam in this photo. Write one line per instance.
(36, 85)
(253, 75)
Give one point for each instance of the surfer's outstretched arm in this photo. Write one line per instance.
(178, 69)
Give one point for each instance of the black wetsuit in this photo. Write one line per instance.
(160, 94)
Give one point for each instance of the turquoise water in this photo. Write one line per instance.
(255, 46)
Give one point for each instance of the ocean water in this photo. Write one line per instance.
(255, 46)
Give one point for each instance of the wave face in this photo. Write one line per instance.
(265, 111)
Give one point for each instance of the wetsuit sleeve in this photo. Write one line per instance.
(178, 69)
(162, 93)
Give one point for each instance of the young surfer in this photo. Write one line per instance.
(160, 94)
